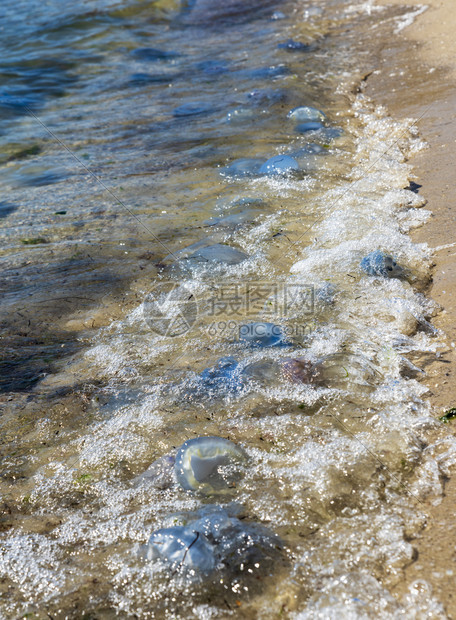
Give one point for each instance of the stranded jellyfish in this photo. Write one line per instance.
(208, 464)
(380, 264)
(300, 370)
(218, 253)
(212, 539)
(181, 546)
(305, 114)
(280, 164)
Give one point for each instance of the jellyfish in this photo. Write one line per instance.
(198, 463)
(218, 253)
(280, 164)
(181, 546)
(378, 263)
(299, 370)
(304, 114)
(212, 540)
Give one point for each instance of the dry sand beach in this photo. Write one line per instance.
(414, 77)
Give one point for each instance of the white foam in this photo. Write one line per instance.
(404, 21)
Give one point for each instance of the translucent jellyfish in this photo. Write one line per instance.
(294, 46)
(208, 464)
(378, 263)
(280, 164)
(304, 114)
(266, 97)
(348, 370)
(325, 294)
(299, 370)
(264, 371)
(211, 539)
(181, 546)
(218, 253)
(242, 168)
(223, 378)
(241, 114)
(231, 221)
(159, 474)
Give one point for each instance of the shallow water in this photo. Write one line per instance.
(123, 127)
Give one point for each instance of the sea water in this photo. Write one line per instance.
(162, 282)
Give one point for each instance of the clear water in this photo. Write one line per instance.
(110, 186)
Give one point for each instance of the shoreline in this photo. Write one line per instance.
(112, 431)
(415, 76)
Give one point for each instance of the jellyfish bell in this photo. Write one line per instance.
(209, 542)
(218, 253)
(378, 263)
(304, 114)
(159, 473)
(300, 370)
(208, 464)
(279, 165)
(349, 370)
(181, 546)
(222, 379)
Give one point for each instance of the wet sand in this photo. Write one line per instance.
(415, 76)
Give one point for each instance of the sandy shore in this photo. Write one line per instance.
(415, 76)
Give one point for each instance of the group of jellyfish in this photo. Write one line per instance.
(209, 465)
(203, 542)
